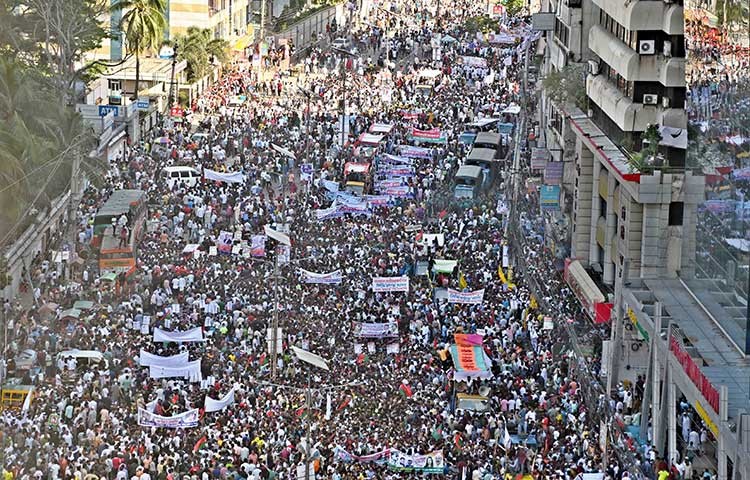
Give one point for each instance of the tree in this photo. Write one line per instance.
(198, 48)
(567, 86)
(513, 7)
(647, 158)
(143, 25)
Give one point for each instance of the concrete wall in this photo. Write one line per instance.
(303, 33)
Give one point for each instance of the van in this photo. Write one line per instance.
(486, 159)
(469, 181)
(85, 359)
(489, 140)
(175, 175)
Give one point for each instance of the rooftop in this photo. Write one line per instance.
(152, 70)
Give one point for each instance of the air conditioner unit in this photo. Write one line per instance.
(646, 47)
(667, 48)
(593, 67)
(650, 99)
(665, 102)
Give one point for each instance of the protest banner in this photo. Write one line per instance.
(432, 462)
(226, 177)
(212, 405)
(375, 330)
(192, 335)
(224, 243)
(258, 245)
(146, 359)
(390, 284)
(182, 420)
(322, 278)
(471, 298)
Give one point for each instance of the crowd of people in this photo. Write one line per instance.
(393, 395)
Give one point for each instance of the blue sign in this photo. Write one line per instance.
(142, 105)
(105, 109)
(549, 197)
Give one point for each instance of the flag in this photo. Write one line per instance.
(458, 440)
(27, 401)
(406, 390)
(329, 408)
(199, 444)
(507, 442)
(437, 433)
(361, 358)
(300, 411)
(344, 404)
(462, 281)
(532, 303)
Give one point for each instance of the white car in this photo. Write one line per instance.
(341, 43)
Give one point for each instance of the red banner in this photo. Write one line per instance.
(433, 133)
(175, 112)
(708, 391)
(603, 312)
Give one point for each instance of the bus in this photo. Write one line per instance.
(116, 256)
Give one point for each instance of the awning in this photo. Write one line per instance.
(244, 41)
(583, 287)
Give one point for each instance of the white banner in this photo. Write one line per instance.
(472, 298)
(228, 177)
(278, 236)
(192, 335)
(147, 359)
(390, 284)
(324, 278)
(183, 420)
(190, 371)
(375, 330)
(212, 405)
(284, 151)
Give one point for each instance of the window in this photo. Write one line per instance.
(676, 212)
(562, 32)
(115, 85)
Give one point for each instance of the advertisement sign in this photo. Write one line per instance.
(104, 110)
(321, 278)
(306, 172)
(708, 391)
(390, 284)
(176, 112)
(553, 173)
(142, 104)
(549, 197)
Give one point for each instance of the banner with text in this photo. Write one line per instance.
(375, 330)
(183, 420)
(472, 298)
(390, 284)
(323, 278)
(432, 462)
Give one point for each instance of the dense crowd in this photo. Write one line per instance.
(381, 395)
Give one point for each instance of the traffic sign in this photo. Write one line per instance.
(105, 109)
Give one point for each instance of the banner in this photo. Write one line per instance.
(377, 200)
(328, 213)
(397, 159)
(432, 462)
(341, 455)
(433, 133)
(472, 298)
(280, 237)
(183, 420)
(146, 359)
(258, 245)
(375, 330)
(224, 242)
(322, 278)
(192, 335)
(473, 61)
(402, 191)
(469, 362)
(416, 152)
(390, 284)
(211, 405)
(228, 177)
(190, 371)
(284, 151)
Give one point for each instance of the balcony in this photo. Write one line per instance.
(669, 71)
(644, 15)
(625, 113)
(614, 52)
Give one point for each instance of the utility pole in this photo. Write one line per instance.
(515, 170)
(172, 86)
(308, 416)
(343, 100)
(275, 326)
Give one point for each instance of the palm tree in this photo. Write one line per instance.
(197, 47)
(143, 24)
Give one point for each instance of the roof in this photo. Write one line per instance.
(120, 202)
(481, 154)
(151, 70)
(471, 171)
(488, 137)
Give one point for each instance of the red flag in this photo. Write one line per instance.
(344, 404)
(201, 441)
(406, 390)
(361, 358)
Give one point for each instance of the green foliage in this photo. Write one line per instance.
(513, 7)
(198, 48)
(482, 24)
(39, 138)
(567, 86)
(736, 12)
(646, 160)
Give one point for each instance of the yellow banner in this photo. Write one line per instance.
(706, 419)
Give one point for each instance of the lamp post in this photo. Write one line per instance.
(308, 95)
(344, 55)
(321, 363)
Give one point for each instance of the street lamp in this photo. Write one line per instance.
(344, 53)
(320, 362)
(308, 95)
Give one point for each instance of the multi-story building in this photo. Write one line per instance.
(227, 19)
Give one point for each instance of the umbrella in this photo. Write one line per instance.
(163, 140)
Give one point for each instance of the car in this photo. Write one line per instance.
(341, 43)
(26, 360)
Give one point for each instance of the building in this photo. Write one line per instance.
(227, 19)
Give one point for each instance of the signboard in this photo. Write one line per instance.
(142, 104)
(539, 157)
(708, 391)
(105, 109)
(543, 22)
(306, 172)
(175, 112)
(549, 197)
(706, 419)
(553, 173)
